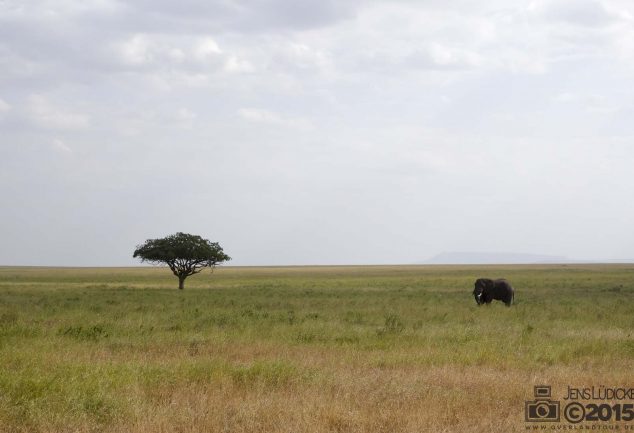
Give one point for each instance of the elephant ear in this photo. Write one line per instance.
(484, 283)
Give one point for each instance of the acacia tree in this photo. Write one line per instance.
(185, 254)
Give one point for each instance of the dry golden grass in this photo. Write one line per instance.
(376, 349)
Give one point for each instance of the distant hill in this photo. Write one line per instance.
(481, 258)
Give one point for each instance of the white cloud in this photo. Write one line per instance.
(418, 113)
(50, 10)
(185, 118)
(61, 147)
(186, 115)
(440, 56)
(272, 118)
(302, 56)
(234, 64)
(587, 13)
(205, 49)
(593, 103)
(48, 115)
(4, 107)
(446, 56)
(163, 50)
(138, 50)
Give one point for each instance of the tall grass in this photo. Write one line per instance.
(368, 349)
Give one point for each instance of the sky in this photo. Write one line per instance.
(316, 132)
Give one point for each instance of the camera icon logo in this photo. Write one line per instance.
(542, 409)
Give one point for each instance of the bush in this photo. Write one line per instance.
(393, 325)
(92, 333)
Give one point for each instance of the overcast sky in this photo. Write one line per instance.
(316, 132)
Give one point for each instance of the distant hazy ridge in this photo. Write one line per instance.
(459, 258)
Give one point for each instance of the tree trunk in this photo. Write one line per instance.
(181, 281)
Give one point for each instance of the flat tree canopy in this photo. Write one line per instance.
(185, 254)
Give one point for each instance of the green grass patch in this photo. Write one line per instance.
(88, 347)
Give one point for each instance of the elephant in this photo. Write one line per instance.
(487, 290)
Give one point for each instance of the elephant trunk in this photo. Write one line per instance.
(478, 298)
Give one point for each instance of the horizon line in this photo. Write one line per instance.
(545, 263)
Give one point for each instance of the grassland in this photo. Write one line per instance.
(303, 349)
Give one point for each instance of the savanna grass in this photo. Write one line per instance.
(367, 349)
